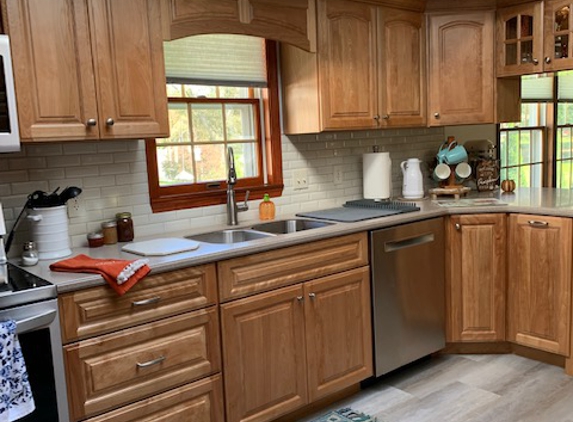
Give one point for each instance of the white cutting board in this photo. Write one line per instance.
(162, 246)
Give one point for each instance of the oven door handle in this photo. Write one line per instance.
(33, 323)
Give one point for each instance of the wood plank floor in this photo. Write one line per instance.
(468, 388)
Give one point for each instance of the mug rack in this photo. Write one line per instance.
(449, 187)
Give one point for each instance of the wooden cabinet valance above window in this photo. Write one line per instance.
(292, 22)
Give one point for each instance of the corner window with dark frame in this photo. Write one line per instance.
(222, 92)
(538, 150)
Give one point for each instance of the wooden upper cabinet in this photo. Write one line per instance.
(520, 39)
(558, 35)
(461, 51)
(78, 65)
(368, 72)
(534, 38)
(292, 22)
(539, 288)
(346, 64)
(475, 278)
(401, 65)
(53, 72)
(130, 72)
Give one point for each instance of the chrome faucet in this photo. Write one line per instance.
(232, 207)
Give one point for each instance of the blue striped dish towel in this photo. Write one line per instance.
(16, 399)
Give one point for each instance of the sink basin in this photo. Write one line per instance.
(290, 226)
(229, 236)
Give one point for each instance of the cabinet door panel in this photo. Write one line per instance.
(520, 39)
(264, 355)
(461, 69)
(53, 71)
(401, 63)
(540, 282)
(338, 331)
(558, 35)
(476, 278)
(130, 73)
(347, 54)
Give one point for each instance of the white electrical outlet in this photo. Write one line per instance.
(300, 179)
(338, 175)
(76, 207)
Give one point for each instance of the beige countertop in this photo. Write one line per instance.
(544, 201)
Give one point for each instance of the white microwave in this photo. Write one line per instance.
(9, 133)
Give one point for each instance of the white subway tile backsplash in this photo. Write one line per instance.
(79, 172)
(63, 161)
(113, 176)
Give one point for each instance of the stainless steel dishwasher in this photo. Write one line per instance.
(408, 293)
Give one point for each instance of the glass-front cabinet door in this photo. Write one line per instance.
(520, 39)
(558, 52)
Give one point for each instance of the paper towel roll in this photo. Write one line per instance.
(377, 175)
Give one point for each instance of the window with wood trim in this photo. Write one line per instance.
(538, 150)
(189, 168)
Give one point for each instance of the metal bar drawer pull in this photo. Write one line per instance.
(538, 223)
(408, 243)
(151, 362)
(144, 302)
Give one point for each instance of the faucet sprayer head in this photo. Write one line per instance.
(232, 176)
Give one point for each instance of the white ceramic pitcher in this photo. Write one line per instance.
(413, 185)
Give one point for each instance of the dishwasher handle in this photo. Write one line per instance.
(408, 243)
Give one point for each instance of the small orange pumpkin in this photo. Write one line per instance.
(508, 185)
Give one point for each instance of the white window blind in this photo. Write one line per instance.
(537, 87)
(216, 59)
(565, 86)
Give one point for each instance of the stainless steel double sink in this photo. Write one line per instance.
(259, 231)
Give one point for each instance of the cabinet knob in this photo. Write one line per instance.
(377, 117)
(312, 296)
(110, 121)
(458, 226)
(386, 117)
(300, 298)
(547, 59)
(91, 122)
(436, 115)
(535, 61)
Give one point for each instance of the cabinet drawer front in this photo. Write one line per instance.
(99, 310)
(129, 365)
(201, 401)
(268, 270)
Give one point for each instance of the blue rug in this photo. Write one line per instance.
(345, 415)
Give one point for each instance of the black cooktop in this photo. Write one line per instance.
(24, 288)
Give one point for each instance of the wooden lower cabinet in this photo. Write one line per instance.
(475, 278)
(201, 401)
(116, 369)
(285, 348)
(338, 331)
(539, 288)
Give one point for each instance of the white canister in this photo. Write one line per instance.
(50, 231)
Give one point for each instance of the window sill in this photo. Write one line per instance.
(216, 197)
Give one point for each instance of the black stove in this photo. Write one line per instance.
(24, 288)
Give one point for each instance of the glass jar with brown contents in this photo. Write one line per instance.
(124, 227)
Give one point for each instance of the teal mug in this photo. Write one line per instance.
(455, 155)
(444, 148)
